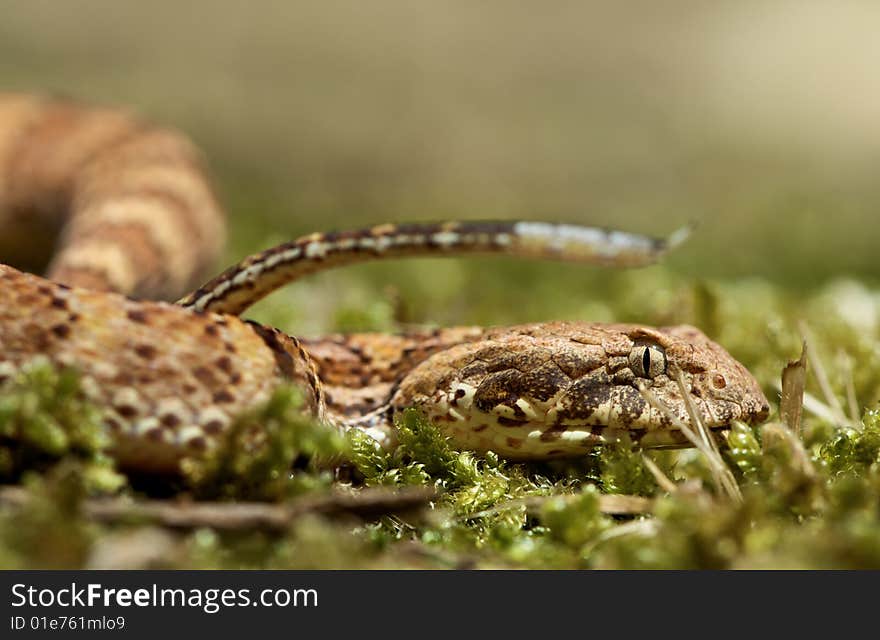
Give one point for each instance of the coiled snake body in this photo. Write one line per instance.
(136, 217)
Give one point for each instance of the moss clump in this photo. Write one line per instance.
(312, 542)
(515, 515)
(800, 509)
(482, 500)
(44, 418)
(853, 452)
(622, 470)
(256, 458)
(424, 456)
(47, 531)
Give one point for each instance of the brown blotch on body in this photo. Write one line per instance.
(224, 364)
(124, 378)
(205, 376)
(39, 338)
(584, 397)
(197, 444)
(145, 351)
(578, 363)
(498, 388)
(213, 427)
(61, 330)
(636, 434)
(223, 396)
(126, 410)
(137, 315)
(510, 422)
(283, 359)
(170, 420)
(631, 403)
(553, 433)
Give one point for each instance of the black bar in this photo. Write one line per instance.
(260, 604)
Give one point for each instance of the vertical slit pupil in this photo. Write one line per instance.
(646, 362)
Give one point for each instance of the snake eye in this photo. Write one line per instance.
(647, 360)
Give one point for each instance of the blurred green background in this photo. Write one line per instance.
(760, 120)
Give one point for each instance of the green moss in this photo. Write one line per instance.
(622, 470)
(853, 452)
(255, 458)
(575, 521)
(44, 418)
(424, 456)
(48, 531)
(744, 451)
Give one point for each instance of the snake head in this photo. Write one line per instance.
(558, 389)
(721, 388)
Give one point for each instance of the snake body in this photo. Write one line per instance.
(136, 216)
(129, 202)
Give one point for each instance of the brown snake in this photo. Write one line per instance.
(136, 216)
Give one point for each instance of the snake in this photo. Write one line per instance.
(123, 216)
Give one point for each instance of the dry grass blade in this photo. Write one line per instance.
(794, 380)
(813, 405)
(694, 414)
(662, 480)
(722, 474)
(822, 376)
(624, 505)
(777, 432)
(645, 527)
(846, 365)
(724, 481)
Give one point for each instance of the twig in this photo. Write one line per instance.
(364, 503)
